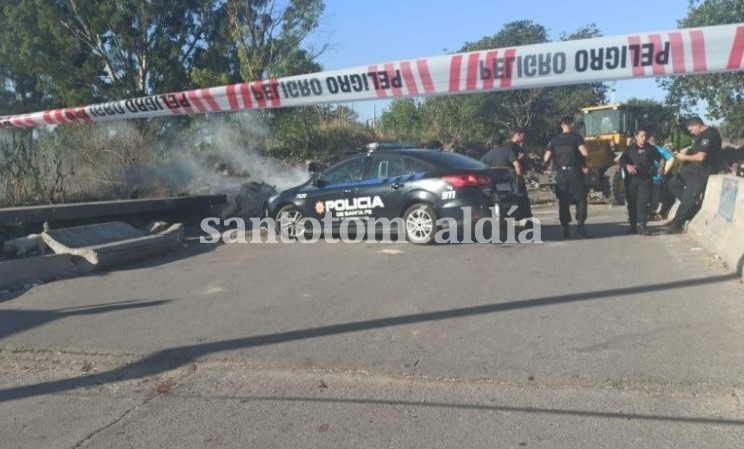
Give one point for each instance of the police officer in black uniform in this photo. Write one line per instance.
(702, 159)
(570, 154)
(502, 155)
(516, 143)
(510, 155)
(638, 162)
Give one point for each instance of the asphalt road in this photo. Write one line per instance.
(614, 341)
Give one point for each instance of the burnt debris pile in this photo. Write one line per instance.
(249, 201)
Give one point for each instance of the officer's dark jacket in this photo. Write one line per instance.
(500, 156)
(518, 151)
(643, 158)
(565, 148)
(709, 141)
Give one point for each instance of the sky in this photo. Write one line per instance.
(360, 33)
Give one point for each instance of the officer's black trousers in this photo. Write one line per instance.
(688, 186)
(570, 188)
(639, 197)
(527, 212)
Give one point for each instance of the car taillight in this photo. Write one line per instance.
(467, 180)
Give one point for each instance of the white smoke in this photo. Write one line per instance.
(235, 140)
(219, 154)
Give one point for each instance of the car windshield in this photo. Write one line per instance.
(346, 171)
(446, 159)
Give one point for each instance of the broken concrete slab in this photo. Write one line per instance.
(135, 249)
(84, 249)
(104, 245)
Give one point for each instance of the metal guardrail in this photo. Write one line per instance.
(77, 211)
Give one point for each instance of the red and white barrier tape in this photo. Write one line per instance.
(693, 51)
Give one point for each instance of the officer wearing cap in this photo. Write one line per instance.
(569, 152)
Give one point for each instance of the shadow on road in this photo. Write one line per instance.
(547, 233)
(13, 321)
(495, 408)
(595, 231)
(11, 294)
(171, 358)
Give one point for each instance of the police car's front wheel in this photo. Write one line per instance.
(421, 224)
(288, 221)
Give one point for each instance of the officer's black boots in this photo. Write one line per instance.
(640, 229)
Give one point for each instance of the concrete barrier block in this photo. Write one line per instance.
(66, 239)
(719, 224)
(136, 249)
(105, 245)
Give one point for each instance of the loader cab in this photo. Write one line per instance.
(613, 122)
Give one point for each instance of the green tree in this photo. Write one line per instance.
(266, 37)
(733, 126)
(67, 52)
(41, 64)
(723, 92)
(141, 46)
(402, 121)
(58, 53)
(262, 40)
(468, 120)
(324, 132)
(539, 110)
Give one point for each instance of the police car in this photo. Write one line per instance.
(419, 186)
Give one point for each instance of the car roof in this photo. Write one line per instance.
(405, 151)
(437, 157)
(443, 159)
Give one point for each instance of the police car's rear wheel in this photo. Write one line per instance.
(421, 224)
(287, 221)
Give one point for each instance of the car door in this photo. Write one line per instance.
(384, 185)
(335, 188)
